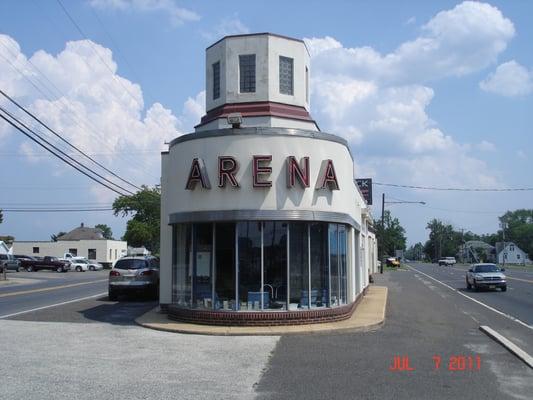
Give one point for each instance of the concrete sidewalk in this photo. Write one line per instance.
(368, 315)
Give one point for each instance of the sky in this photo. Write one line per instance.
(428, 94)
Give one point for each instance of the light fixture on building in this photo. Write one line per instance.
(235, 120)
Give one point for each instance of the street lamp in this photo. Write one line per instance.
(383, 219)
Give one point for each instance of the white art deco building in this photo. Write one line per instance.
(261, 220)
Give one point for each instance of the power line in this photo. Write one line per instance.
(66, 141)
(74, 118)
(526, 189)
(58, 151)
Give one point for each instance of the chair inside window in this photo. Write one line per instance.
(304, 299)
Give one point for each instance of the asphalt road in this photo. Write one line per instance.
(92, 349)
(31, 290)
(424, 320)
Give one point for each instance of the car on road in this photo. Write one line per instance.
(95, 265)
(447, 261)
(488, 276)
(79, 265)
(10, 263)
(50, 263)
(134, 274)
(393, 262)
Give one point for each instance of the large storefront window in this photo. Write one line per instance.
(249, 250)
(225, 266)
(202, 266)
(343, 280)
(256, 265)
(298, 266)
(181, 268)
(319, 265)
(275, 265)
(334, 263)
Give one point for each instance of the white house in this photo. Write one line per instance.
(81, 241)
(510, 253)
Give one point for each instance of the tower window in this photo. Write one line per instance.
(216, 80)
(286, 75)
(247, 73)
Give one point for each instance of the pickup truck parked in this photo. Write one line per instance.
(51, 263)
(447, 261)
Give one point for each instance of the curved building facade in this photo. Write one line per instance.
(262, 222)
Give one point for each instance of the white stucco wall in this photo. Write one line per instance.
(165, 249)
(267, 49)
(59, 248)
(346, 200)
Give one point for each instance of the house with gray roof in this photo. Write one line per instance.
(510, 253)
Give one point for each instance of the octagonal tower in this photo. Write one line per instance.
(264, 77)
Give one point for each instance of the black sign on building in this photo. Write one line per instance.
(365, 185)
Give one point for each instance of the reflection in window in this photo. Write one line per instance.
(251, 274)
(343, 281)
(334, 263)
(275, 264)
(225, 266)
(181, 280)
(298, 266)
(202, 271)
(249, 234)
(319, 265)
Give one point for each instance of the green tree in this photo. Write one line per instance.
(106, 231)
(144, 207)
(56, 236)
(443, 240)
(391, 235)
(415, 252)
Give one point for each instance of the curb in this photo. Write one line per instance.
(157, 321)
(513, 348)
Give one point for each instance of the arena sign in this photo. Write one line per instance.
(297, 173)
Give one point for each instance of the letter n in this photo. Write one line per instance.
(296, 172)
(197, 173)
(327, 178)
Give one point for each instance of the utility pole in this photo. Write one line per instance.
(382, 232)
(503, 225)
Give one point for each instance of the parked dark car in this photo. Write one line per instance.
(50, 263)
(9, 262)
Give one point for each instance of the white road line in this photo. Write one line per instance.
(474, 300)
(52, 305)
(513, 348)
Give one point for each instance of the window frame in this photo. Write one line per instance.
(247, 74)
(285, 87)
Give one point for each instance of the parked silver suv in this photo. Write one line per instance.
(134, 274)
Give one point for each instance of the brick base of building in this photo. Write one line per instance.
(261, 318)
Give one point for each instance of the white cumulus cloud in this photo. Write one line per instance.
(510, 79)
(379, 102)
(83, 98)
(178, 15)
